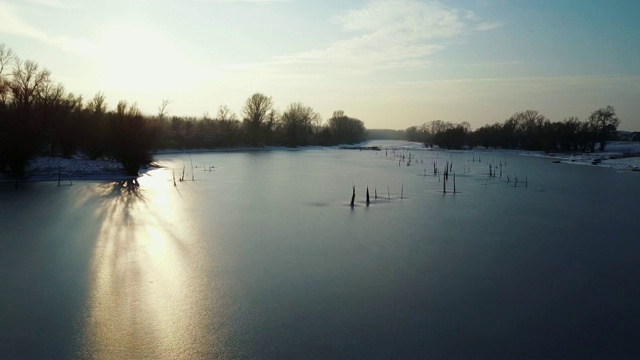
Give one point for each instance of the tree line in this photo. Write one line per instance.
(39, 116)
(523, 130)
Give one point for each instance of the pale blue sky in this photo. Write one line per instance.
(392, 63)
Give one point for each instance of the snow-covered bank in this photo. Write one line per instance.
(52, 168)
(619, 155)
(240, 149)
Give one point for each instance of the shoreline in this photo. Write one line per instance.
(620, 156)
(54, 168)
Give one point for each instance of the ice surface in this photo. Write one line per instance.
(262, 257)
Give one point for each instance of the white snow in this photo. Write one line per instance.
(619, 155)
(52, 168)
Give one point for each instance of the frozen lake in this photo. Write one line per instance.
(262, 257)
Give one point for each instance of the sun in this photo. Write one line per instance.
(137, 59)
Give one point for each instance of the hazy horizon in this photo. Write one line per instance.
(392, 64)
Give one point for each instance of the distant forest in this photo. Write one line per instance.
(38, 116)
(524, 130)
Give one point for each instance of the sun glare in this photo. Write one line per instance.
(146, 299)
(136, 58)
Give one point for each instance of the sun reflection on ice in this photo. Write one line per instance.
(148, 293)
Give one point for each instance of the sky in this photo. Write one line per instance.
(389, 63)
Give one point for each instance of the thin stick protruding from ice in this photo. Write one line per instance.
(353, 195)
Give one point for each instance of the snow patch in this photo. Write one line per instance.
(52, 168)
(619, 155)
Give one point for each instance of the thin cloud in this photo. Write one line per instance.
(11, 23)
(486, 26)
(406, 18)
(548, 86)
(242, 1)
(493, 64)
(68, 4)
(390, 34)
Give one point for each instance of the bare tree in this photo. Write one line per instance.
(298, 121)
(527, 128)
(256, 111)
(121, 108)
(338, 114)
(52, 94)
(28, 83)
(438, 126)
(225, 114)
(316, 124)
(132, 137)
(7, 59)
(604, 122)
(95, 134)
(21, 127)
(134, 110)
(531, 121)
(59, 114)
(345, 129)
(569, 133)
(98, 104)
(163, 108)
